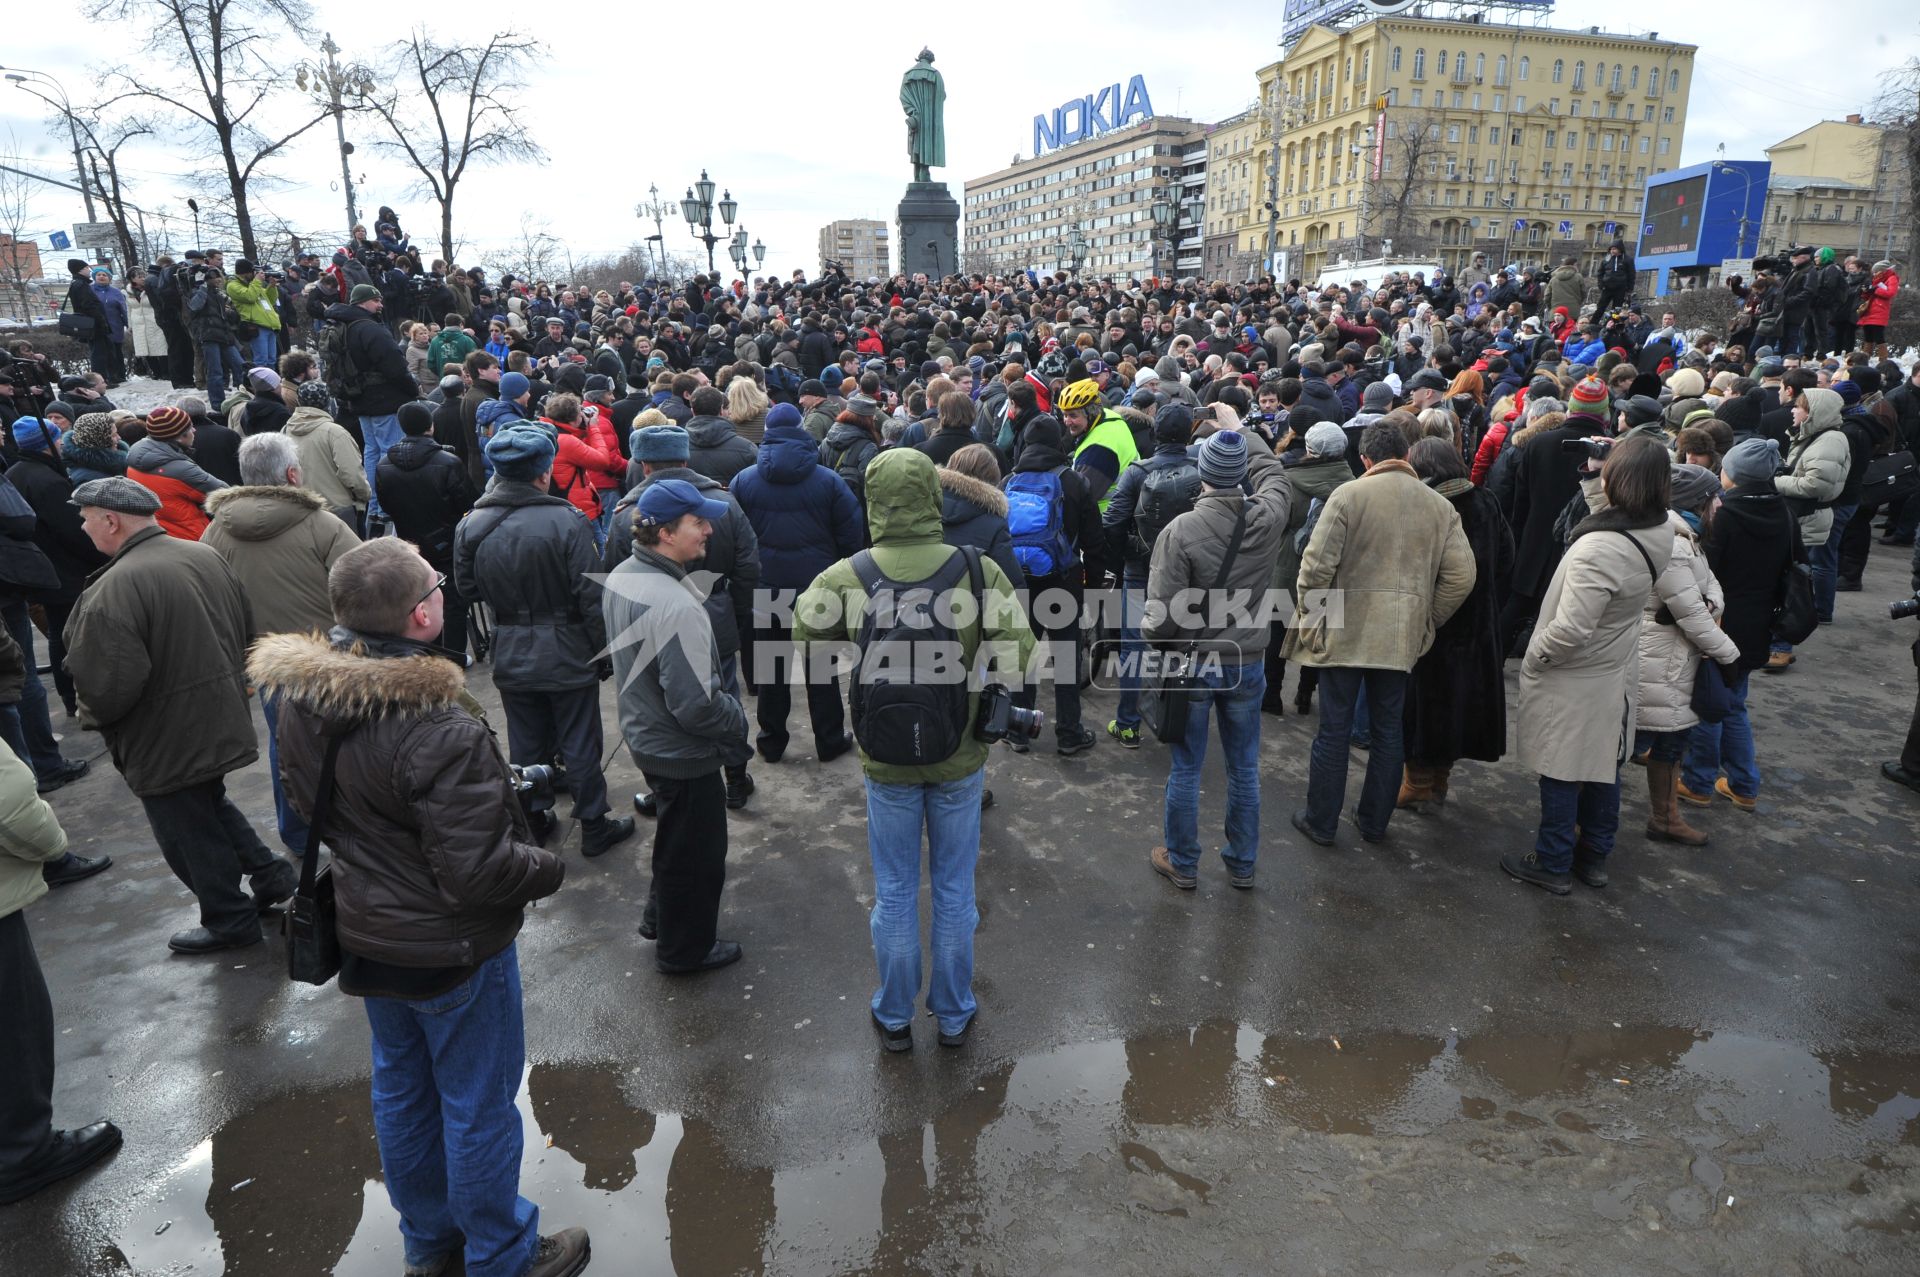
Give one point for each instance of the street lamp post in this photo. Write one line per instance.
(1077, 248)
(656, 209)
(1162, 219)
(1283, 118)
(21, 76)
(1746, 198)
(759, 255)
(698, 208)
(333, 81)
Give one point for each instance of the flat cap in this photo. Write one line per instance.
(117, 493)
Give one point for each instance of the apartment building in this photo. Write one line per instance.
(860, 244)
(1840, 184)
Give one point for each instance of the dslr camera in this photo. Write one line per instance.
(1901, 609)
(533, 790)
(1000, 719)
(1591, 449)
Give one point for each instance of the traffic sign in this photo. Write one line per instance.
(1611, 228)
(1647, 229)
(59, 240)
(1566, 228)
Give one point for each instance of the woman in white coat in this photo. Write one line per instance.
(1680, 625)
(143, 324)
(1579, 682)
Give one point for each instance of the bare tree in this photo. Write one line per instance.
(1400, 200)
(531, 255)
(17, 254)
(1898, 108)
(103, 163)
(452, 106)
(225, 72)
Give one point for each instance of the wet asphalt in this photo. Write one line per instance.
(1386, 1058)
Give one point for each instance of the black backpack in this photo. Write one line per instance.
(1165, 494)
(345, 379)
(899, 719)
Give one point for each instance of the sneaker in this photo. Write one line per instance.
(1077, 741)
(1240, 881)
(564, 1254)
(958, 1038)
(1527, 868)
(1722, 788)
(893, 1040)
(1163, 865)
(1129, 737)
(1686, 795)
(1300, 822)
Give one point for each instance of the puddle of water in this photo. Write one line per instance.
(294, 1185)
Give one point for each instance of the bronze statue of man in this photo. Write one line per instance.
(924, 94)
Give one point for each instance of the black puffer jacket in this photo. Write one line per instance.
(43, 481)
(424, 489)
(376, 353)
(433, 863)
(527, 554)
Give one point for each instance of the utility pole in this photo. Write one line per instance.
(331, 81)
(1282, 117)
(20, 76)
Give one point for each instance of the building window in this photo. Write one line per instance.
(1664, 143)
(1643, 146)
(1393, 61)
(1453, 132)
(1416, 96)
(1673, 81)
(1653, 81)
(1526, 67)
(1476, 101)
(1480, 67)
(1634, 83)
(1552, 136)
(1599, 74)
(1649, 115)
(1499, 69)
(1419, 63)
(1666, 116)
(1566, 172)
(1559, 68)
(1520, 102)
(1458, 99)
(1575, 111)
(1440, 64)
(1460, 66)
(1473, 135)
(1500, 102)
(1579, 76)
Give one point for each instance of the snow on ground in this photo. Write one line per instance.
(143, 394)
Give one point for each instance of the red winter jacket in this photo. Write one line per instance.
(169, 473)
(587, 462)
(1880, 309)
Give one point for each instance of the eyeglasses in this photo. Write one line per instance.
(439, 583)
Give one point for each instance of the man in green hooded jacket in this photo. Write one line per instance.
(942, 798)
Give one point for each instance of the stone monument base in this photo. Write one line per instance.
(929, 231)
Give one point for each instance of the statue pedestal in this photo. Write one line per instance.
(929, 231)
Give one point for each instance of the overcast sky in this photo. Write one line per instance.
(800, 117)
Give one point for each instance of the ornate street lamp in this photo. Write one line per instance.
(1162, 221)
(698, 209)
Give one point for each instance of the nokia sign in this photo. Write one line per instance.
(1092, 115)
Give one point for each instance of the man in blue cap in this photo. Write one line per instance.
(526, 553)
(681, 725)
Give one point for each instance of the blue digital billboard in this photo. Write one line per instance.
(1692, 216)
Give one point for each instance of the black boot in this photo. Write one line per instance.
(68, 1153)
(739, 785)
(601, 834)
(72, 868)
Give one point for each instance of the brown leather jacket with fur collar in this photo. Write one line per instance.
(433, 862)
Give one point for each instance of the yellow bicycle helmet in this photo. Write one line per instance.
(1079, 395)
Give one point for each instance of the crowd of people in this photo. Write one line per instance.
(710, 493)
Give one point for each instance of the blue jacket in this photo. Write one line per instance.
(804, 514)
(494, 416)
(1588, 354)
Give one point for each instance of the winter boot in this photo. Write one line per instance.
(1664, 823)
(1416, 787)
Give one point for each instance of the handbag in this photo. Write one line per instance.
(313, 944)
(1888, 479)
(1712, 698)
(73, 324)
(1794, 620)
(1166, 702)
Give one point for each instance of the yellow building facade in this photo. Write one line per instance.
(1451, 138)
(1840, 184)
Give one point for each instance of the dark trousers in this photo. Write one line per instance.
(541, 725)
(1340, 690)
(29, 730)
(209, 845)
(773, 657)
(26, 1043)
(1910, 752)
(180, 358)
(58, 610)
(1059, 627)
(689, 864)
(1903, 518)
(1856, 543)
(1517, 616)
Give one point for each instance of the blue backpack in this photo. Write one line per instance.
(1036, 519)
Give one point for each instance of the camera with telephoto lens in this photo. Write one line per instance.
(1001, 719)
(533, 790)
(1591, 449)
(1901, 609)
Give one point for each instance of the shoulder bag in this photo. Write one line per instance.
(313, 944)
(1794, 619)
(1166, 702)
(73, 324)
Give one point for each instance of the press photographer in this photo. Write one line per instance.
(923, 757)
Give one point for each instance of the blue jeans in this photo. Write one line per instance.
(1591, 805)
(1237, 690)
(1133, 593)
(377, 434)
(293, 829)
(260, 351)
(1826, 562)
(445, 1072)
(950, 815)
(225, 368)
(1724, 746)
(30, 731)
(1661, 747)
(1340, 689)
